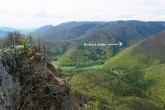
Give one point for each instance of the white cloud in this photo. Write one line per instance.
(35, 13)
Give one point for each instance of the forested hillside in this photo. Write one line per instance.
(143, 54)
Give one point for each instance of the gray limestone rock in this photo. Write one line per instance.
(6, 84)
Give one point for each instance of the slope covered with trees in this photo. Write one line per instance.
(103, 90)
(144, 54)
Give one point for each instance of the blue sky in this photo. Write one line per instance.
(36, 13)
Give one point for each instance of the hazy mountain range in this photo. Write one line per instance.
(3, 33)
(4, 30)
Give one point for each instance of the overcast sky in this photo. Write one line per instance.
(36, 13)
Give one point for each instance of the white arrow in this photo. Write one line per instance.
(120, 44)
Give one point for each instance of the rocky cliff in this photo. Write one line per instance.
(28, 82)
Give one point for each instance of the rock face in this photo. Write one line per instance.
(7, 83)
(31, 85)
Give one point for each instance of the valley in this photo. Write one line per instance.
(74, 68)
(126, 75)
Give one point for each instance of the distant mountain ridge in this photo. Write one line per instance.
(74, 30)
(3, 33)
(65, 31)
(11, 29)
(7, 29)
